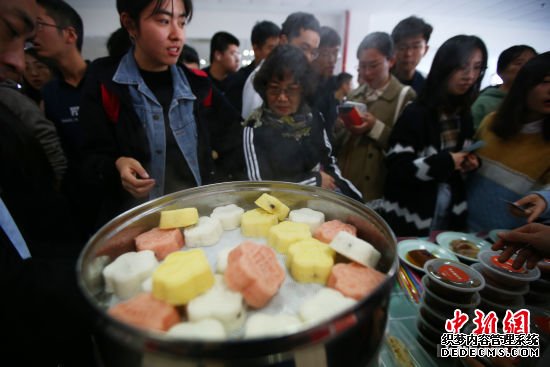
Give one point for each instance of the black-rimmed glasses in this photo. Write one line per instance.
(292, 91)
(40, 25)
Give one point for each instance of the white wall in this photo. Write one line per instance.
(99, 23)
(496, 35)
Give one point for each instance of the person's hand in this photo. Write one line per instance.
(535, 206)
(327, 181)
(368, 121)
(531, 241)
(458, 159)
(134, 178)
(469, 163)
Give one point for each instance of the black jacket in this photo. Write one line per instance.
(327, 104)
(224, 121)
(112, 129)
(276, 151)
(416, 167)
(42, 309)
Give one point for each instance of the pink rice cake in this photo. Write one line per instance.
(354, 280)
(254, 271)
(326, 231)
(161, 241)
(146, 312)
(121, 243)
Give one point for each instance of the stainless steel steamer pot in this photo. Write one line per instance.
(351, 338)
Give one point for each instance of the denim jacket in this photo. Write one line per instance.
(151, 115)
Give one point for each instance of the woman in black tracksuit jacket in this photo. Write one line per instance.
(285, 139)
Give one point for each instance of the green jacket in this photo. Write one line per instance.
(488, 101)
(361, 157)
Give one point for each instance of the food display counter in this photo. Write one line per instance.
(407, 312)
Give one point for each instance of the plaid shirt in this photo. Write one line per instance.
(450, 128)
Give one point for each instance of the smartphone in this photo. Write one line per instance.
(515, 209)
(344, 109)
(361, 107)
(474, 146)
(349, 112)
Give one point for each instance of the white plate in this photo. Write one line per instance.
(445, 239)
(403, 247)
(493, 234)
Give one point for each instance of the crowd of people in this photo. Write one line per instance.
(82, 141)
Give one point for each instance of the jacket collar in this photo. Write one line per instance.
(392, 90)
(128, 73)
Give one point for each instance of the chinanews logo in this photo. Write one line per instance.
(485, 340)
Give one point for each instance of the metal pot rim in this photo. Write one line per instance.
(321, 333)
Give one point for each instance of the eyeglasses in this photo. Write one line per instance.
(40, 26)
(291, 92)
(329, 55)
(313, 53)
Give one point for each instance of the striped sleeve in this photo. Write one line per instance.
(251, 159)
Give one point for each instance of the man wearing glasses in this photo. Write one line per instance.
(410, 37)
(329, 49)
(59, 35)
(300, 30)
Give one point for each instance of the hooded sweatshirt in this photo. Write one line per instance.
(488, 101)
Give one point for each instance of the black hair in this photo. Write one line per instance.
(380, 41)
(220, 42)
(410, 27)
(262, 31)
(343, 78)
(296, 22)
(511, 114)
(189, 56)
(329, 37)
(118, 43)
(135, 7)
(450, 57)
(508, 56)
(64, 16)
(283, 61)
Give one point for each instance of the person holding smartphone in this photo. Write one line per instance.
(537, 205)
(515, 158)
(427, 154)
(361, 152)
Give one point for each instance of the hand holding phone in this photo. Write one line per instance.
(350, 113)
(516, 210)
(535, 205)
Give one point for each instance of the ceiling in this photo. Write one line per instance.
(535, 12)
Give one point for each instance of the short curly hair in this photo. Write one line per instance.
(282, 62)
